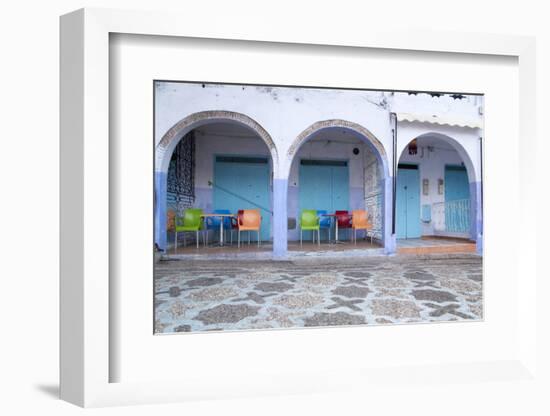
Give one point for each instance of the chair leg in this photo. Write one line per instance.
(248, 233)
(239, 239)
(300, 237)
(355, 236)
(319, 237)
(258, 238)
(197, 238)
(176, 244)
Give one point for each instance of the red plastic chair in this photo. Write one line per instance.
(235, 223)
(344, 219)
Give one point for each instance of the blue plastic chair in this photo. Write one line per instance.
(213, 223)
(325, 223)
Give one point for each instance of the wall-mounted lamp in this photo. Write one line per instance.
(413, 147)
(440, 186)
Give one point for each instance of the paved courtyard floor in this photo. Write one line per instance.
(219, 295)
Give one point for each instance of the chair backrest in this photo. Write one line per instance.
(344, 219)
(251, 218)
(235, 224)
(360, 218)
(215, 221)
(170, 220)
(323, 221)
(192, 217)
(308, 218)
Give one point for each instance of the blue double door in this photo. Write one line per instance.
(324, 185)
(407, 212)
(244, 183)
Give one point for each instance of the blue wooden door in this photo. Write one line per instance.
(340, 188)
(324, 185)
(457, 199)
(243, 183)
(408, 203)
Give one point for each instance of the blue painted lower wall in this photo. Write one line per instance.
(204, 198)
(356, 198)
(280, 190)
(476, 216)
(160, 210)
(285, 205)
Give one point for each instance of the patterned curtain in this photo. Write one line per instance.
(181, 175)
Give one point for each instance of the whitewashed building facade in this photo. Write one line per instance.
(413, 160)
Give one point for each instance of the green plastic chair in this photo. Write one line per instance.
(190, 222)
(309, 221)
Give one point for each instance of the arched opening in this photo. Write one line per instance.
(437, 193)
(336, 165)
(218, 162)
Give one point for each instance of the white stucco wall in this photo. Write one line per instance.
(283, 112)
(466, 109)
(431, 166)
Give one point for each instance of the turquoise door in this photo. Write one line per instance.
(243, 183)
(457, 199)
(407, 215)
(324, 185)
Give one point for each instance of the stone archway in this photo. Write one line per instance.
(363, 132)
(171, 138)
(377, 149)
(168, 142)
(474, 178)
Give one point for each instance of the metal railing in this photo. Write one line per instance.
(452, 216)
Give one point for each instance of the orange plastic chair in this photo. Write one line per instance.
(360, 221)
(251, 220)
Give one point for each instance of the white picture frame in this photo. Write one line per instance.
(86, 353)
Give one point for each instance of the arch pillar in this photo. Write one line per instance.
(280, 218)
(160, 209)
(476, 215)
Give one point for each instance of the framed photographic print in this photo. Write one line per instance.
(270, 214)
(361, 244)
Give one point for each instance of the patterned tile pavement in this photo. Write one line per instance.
(219, 295)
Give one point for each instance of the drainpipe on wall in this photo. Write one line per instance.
(481, 174)
(394, 170)
(480, 243)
